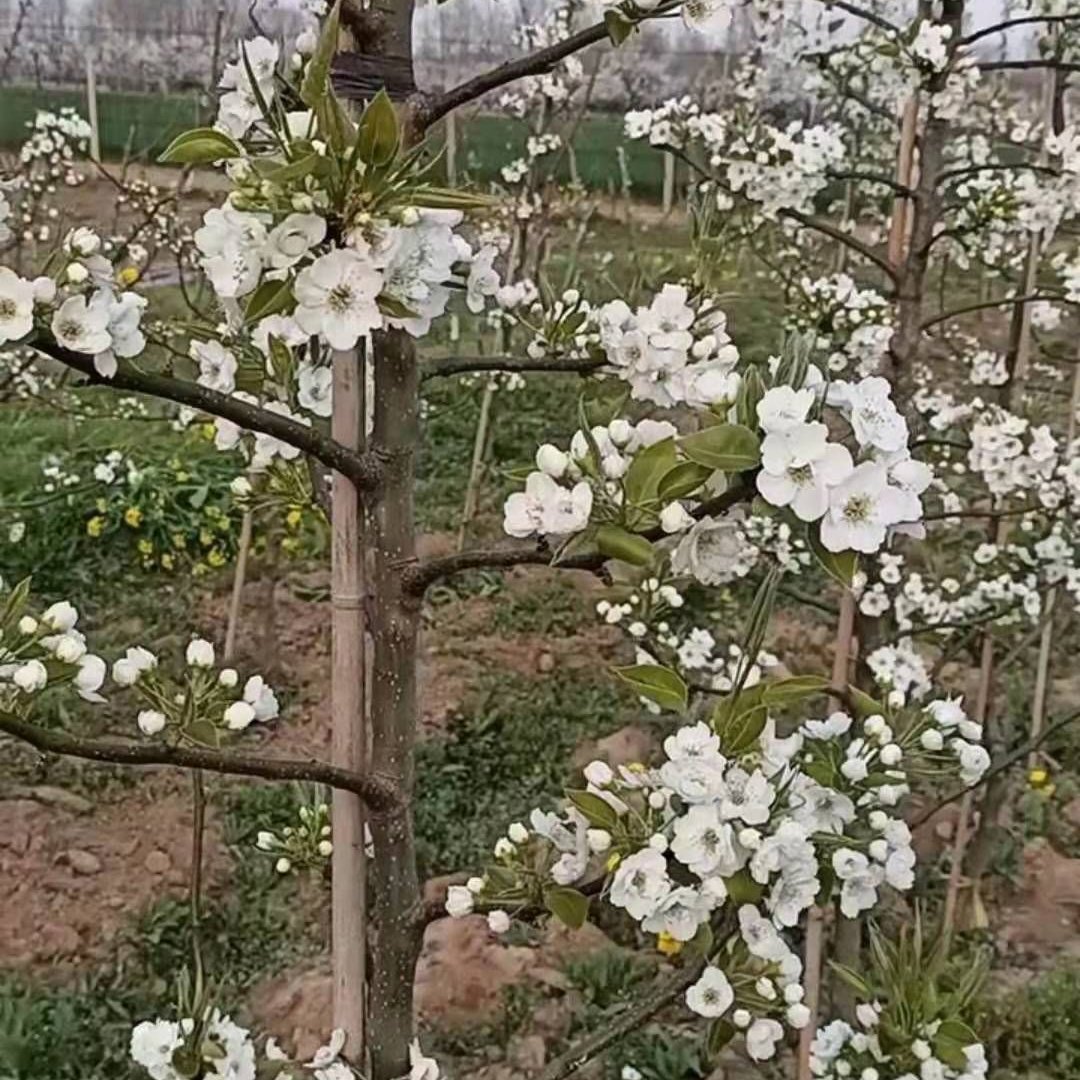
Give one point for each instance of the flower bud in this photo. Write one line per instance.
(551, 460)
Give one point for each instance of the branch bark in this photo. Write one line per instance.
(379, 792)
(419, 576)
(362, 469)
(459, 365)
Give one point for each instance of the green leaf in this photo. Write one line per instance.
(727, 447)
(751, 391)
(199, 496)
(646, 471)
(618, 26)
(839, 565)
(821, 771)
(950, 1051)
(316, 82)
(379, 136)
(659, 684)
(739, 721)
(392, 306)
(617, 543)
(440, 198)
(201, 146)
(203, 732)
(16, 601)
(743, 889)
(597, 811)
(788, 691)
(682, 480)
(721, 1032)
(863, 704)
(701, 944)
(295, 170)
(569, 906)
(270, 298)
(854, 980)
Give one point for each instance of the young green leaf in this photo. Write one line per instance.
(270, 298)
(379, 136)
(201, 146)
(788, 691)
(659, 684)
(839, 565)
(598, 812)
(618, 543)
(727, 447)
(618, 26)
(569, 906)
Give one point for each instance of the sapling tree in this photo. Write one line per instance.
(838, 460)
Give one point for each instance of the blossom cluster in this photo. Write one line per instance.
(214, 1046)
(741, 819)
(841, 1050)
(672, 352)
(852, 325)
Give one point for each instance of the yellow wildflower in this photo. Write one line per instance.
(167, 561)
(128, 276)
(95, 526)
(146, 547)
(1038, 777)
(179, 541)
(293, 518)
(216, 558)
(133, 516)
(613, 860)
(206, 538)
(668, 945)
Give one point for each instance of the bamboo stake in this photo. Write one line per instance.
(963, 823)
(1021, 353)
(815, 923)
(1042, 674)
(348, 719)
(483, 423)
(815, 928)
(905, 159)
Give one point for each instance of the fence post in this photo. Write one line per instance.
(92, 107)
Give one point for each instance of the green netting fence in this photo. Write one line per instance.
(141, 125)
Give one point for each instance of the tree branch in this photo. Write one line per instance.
(1026, 65)
(842, 237)
(1007, 762)
(419, 576)
(457, 365)
(870, 16)
(994, 166)
(378, 793)
(537, 63)
(874, 178)
(1000, 27)
(618, 1027)
(1002, 301)
(362, 469)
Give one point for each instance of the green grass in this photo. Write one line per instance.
(506, 751)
